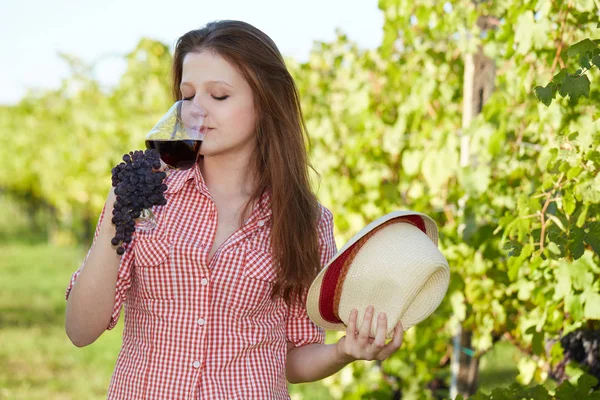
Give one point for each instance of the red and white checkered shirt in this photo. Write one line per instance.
(199, 331)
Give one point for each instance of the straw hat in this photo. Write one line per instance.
(392, 264)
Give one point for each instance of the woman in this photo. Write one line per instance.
(214, 295)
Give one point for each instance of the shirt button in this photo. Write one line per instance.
(196, 364)
(204, 282)
(261, 223)
(201, 321)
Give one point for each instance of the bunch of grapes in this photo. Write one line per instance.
(581, 346)
(137, 187)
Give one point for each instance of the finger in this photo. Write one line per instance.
(164, 168)
(365, 329)
(398, 334)
(351, 328)
(379, 343)
(395, 344)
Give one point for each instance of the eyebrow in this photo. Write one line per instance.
(208, 82)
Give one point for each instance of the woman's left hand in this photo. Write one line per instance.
(358, 345)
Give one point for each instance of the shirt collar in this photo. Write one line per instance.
(178, 178)
(263, 207)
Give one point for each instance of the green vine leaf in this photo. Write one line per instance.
(575, 87)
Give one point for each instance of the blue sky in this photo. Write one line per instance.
(33, 32)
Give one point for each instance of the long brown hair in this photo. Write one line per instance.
(280, 161)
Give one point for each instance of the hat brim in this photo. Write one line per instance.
(314, 292)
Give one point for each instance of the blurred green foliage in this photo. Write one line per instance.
(519, 223)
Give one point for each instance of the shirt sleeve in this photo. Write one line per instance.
(123, 277)
(300, 330)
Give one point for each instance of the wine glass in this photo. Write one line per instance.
(177, 137)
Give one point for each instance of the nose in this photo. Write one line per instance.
(196, 111)
(192, 114)
(196, 104)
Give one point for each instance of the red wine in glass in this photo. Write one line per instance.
(177, 154)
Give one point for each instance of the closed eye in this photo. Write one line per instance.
(214, 97)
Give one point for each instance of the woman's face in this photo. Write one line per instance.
(221, 91)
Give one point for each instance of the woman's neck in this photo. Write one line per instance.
(227, 176)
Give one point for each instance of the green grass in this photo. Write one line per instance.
(37, 360)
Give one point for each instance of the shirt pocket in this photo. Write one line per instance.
(153, 269)
(251, 294)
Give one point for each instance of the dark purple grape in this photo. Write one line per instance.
(137, 186)
(582, 347)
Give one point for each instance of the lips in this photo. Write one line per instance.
(205, 129)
